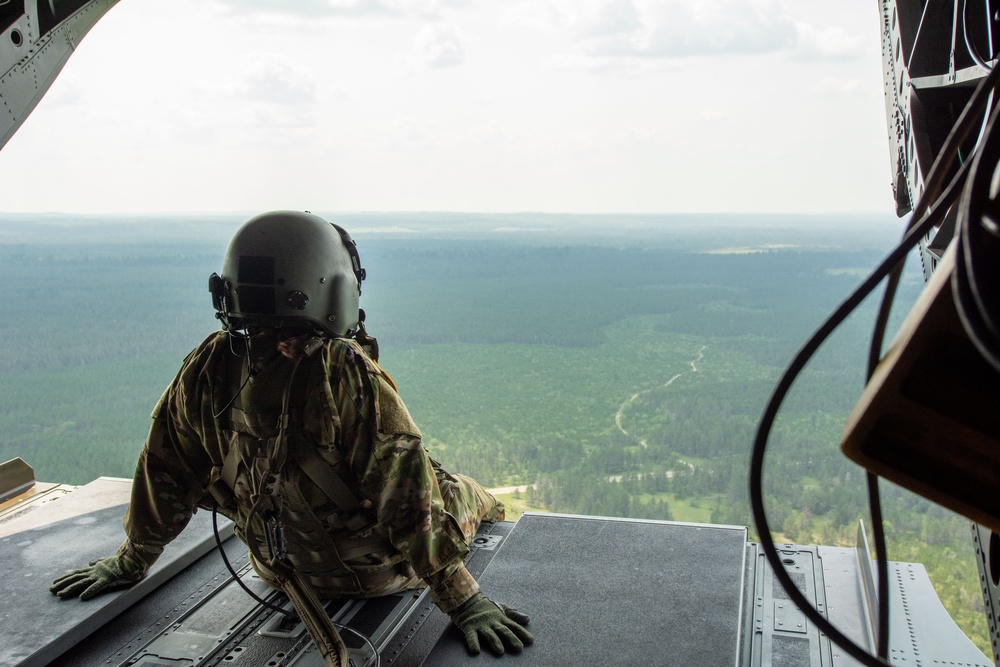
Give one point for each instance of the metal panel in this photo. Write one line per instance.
(64, 534)
(33, 50)
(16, 477)
(987, 545)
(920, 630)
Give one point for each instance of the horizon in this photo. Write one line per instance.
(699, 231)
(757, 217)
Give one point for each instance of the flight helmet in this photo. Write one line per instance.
(289, 269)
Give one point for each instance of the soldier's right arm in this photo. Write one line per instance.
(173, 470)
(170, 478)
(165, 490)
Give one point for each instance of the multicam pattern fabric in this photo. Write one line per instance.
(416, 520)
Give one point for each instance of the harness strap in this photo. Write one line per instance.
(331, 646)
(303, 452)
(315, 467)
(298, 589)
(297, 381)
(222, 488)
(223, 493)
(230, 467)
(310, 610)
(367, 580)
(329, 482)
(353, 547)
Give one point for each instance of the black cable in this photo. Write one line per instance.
(871, 480)
(250, 374)
(882, 565)
(874, 356)
(265, 603)
(882, 319)
(770, 412)
(969, 46)
(976, 274)
(764, 428)
(935, 210)
(232, 571)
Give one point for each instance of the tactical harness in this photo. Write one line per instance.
(270, 466)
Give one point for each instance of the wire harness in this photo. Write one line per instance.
(929, 213)
(264, 603)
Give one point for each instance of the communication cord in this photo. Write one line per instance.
(871, 480)
(929, 212)
(978, 236)
(250, 373)
(265, 603)
(767, 421)
(969, 46)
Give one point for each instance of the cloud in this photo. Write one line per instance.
(681, 28)
(615, 17)
(665, 29)
(273, 79)
(838, 87)
(350, 8)
(65, 92)
(831, 43)
(599, 18)
(531, 14)
(437, 45)
(404, 131)
(490, 132)
(298, 8)
(620, 67)
(713, 116)
(420, 8)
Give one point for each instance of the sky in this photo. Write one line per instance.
(580, 106)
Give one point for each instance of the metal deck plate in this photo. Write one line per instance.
(617, 592)
(39, 544)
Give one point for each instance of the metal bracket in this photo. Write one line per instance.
(486, 542)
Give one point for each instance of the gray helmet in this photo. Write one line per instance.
(288, 268)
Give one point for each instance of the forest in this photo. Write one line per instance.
(608, 365)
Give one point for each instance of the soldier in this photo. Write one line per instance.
(285, 421)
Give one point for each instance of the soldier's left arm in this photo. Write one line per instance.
(431, 537)
(408, 501)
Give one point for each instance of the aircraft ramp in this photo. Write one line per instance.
(599, 591)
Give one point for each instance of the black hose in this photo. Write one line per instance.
(929, 212)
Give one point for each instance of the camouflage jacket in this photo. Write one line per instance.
(353, 418)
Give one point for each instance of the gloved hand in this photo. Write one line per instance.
(101, 575)
(499, 626)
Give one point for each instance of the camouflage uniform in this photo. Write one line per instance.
(415, 520)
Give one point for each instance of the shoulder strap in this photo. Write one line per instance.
(323, 475)
(304, 453)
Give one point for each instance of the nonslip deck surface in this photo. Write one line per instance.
(42, 543)
(617, 592)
